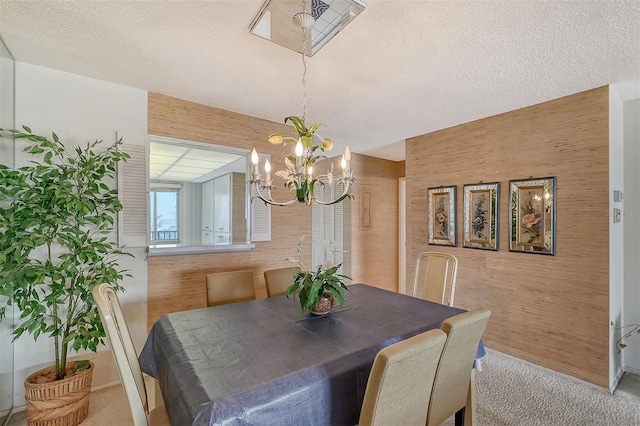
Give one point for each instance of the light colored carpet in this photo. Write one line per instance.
(509, 392)
(516, 393)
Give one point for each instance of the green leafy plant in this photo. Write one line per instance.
(297, 175)
(305, 133)
(56, 219)
(311, 285)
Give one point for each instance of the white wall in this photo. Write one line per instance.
(631, 218)
(80, 109)
(616, 232)
(6, 158)
(624, 267)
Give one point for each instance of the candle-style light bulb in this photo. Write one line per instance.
(267, 170)
(343, 163)
(347, 157)
(299, 150)
(310, 172)
(254, 161)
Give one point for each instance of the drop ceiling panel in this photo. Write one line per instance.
(171, 162)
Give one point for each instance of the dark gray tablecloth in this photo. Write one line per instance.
(263, 362)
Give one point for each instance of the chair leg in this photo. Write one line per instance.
(460, 417)
(159, 402)
(470, 412)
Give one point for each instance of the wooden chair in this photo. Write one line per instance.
(401, 379)
(230, 287)
(435, 277)
(454, 386)
(277, 280)
(126, 358)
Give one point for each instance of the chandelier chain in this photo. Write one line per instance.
(299, 175)
(304, 74)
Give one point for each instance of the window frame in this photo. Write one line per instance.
(153, 217)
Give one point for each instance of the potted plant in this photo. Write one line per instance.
(57, 218)
(317, 290)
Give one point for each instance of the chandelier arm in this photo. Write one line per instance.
(270, 199)
(304, 75)
(345, 192)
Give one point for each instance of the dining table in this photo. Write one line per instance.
(265, 362)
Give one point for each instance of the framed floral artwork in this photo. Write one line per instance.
(481, 208)
(441, 216)
(532, 211)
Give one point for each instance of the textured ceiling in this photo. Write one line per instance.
(400, 69)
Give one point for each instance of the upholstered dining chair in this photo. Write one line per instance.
(435, 277)
(401, 380)
(230, 287)
(277, 280)
(126, 359)
(454, 385)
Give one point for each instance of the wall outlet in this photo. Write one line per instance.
(616, 215)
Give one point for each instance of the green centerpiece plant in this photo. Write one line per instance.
(57, 221)
(317, 290)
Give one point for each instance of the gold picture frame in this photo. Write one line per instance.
(441, 216)
(481, 207)
(532, 210)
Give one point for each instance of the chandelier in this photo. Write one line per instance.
(309, 148)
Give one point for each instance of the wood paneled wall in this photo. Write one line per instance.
(552, 311)
(177, 283)
(374, 222)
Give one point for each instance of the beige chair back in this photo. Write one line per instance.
(278, 280)
(230, 287)
(435, 277)
(452, 389)
(401, 379)
(124, 352)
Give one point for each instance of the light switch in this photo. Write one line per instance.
(616, 215)
(617, 196)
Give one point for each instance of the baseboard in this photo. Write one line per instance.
(6, 416)
(17, 409)
(616, 382)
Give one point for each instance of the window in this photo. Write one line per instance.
(165, 215)
(166, 205)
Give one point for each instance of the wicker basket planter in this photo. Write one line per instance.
(60, 403)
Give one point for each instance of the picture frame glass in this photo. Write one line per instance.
(481, 211)
(441, 216)
(533, 216)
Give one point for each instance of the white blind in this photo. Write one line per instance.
(133, 191)
(260, 211)
(328, 227)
